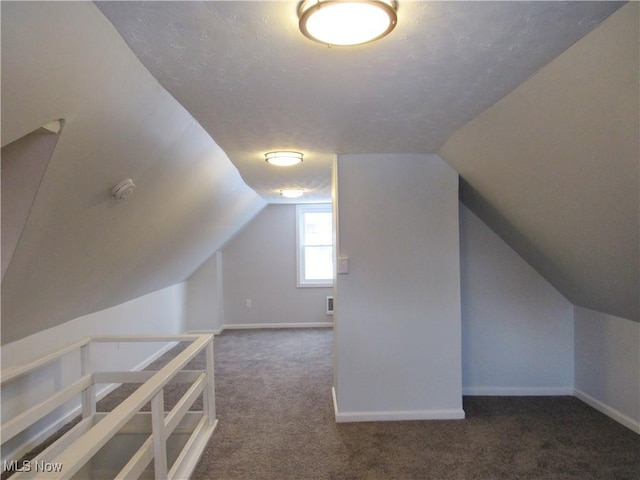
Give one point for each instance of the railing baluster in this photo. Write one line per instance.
(209, 403)
(157, 432)
(88, 394)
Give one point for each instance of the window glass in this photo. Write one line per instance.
(317, 228)
(315, 245)
(318, 263)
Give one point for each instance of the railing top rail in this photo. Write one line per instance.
(79, 452)
(12, 373)
(182, 337)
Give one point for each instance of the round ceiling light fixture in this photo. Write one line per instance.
(347, 22)
(292, 192)
(283, 159)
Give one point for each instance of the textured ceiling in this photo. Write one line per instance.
(246, 73)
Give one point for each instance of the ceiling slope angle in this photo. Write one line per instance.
(554, 168)
(80, 250)
(24, 163)
(256, 84)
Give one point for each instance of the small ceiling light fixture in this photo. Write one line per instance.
(347, 22)
(292, 192)
(283, 159)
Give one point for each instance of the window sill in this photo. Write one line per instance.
(314, 285)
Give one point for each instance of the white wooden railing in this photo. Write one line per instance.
(78, 446)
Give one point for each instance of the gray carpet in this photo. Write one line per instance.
(273, 394)
(276, 422)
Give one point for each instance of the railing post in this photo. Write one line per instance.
(210, 392)
(157, 432)
(89, 393)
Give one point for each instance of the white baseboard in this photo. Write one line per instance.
(608, 411)
(395, 416)
(440, 414)
(257, 326)
(335, 403)
(517, 391)
(209, 332)
(246, 326)
(31, 443)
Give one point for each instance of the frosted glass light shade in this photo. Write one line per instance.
(346, 22)
(283, 159)
(292, 192)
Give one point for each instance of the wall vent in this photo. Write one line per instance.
(329, 305)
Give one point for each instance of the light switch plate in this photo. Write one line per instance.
(343, 265)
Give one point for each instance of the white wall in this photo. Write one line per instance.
(260, 265)
(156, 313)
(203, 301)
(397, 328)
(607, 365)
(517, 330)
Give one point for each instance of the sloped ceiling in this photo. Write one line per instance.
(80, 250)
(553, 168)
(246, 73)
(554, 173)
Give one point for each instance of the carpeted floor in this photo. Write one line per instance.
(273, 395)
(276, 422)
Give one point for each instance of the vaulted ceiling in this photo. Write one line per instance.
(541, 175)
(554, 168)
(80, 250)
(250, 78)
(534, 103)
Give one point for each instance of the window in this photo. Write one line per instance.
(315, 245)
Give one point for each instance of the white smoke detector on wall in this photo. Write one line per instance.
(123, 189)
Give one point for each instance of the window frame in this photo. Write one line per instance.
(301, 210)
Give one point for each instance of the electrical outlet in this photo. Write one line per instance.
(248, 302)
